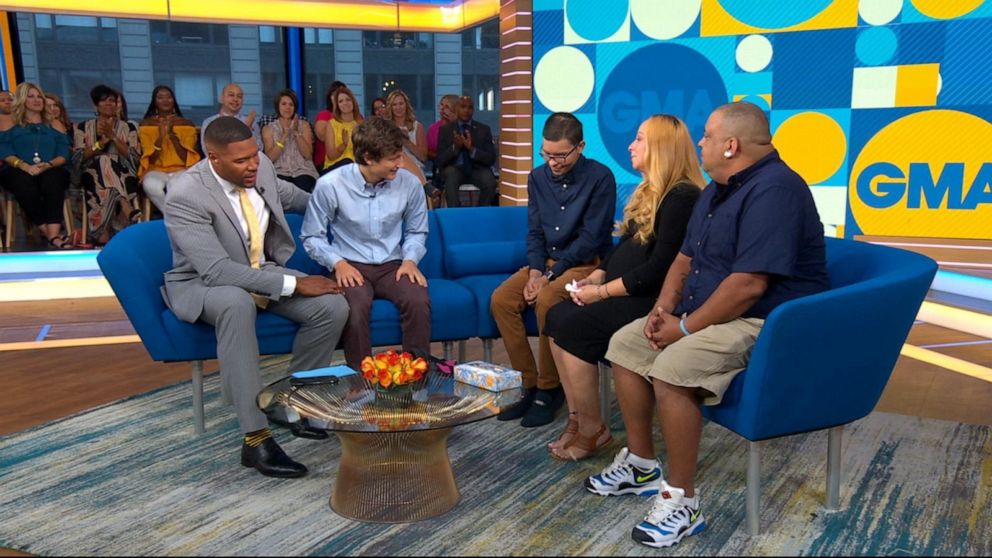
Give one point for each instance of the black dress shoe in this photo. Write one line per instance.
(518, 410)
(271, 461)
(546, 404)
(302, 429)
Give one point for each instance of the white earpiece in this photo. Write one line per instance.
(728, 154)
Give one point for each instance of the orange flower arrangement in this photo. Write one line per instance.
(390, 369)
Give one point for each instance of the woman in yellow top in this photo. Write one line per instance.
(168, 144)
(337, 142)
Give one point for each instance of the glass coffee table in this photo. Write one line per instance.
(394, 447)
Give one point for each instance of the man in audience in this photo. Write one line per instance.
(571, 202)
(6, 102)
(232, 99)
(231, 242)
(377, 216)
(754, 241)
(465, 154)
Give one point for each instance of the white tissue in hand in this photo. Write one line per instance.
(572, 287)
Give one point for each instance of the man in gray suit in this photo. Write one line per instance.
(230, 244)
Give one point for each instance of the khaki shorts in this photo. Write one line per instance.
(708, 359)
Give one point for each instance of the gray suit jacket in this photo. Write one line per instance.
(209, 249)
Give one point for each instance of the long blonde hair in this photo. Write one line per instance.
(669, 159)
(409, 118)
(18, 110)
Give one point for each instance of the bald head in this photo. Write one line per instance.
(747, 122)
(232, 98)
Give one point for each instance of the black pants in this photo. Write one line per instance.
(40, 197)
(303, 182)
(453, 176)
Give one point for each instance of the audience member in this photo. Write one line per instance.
(626, 283)
(320, 126)
(232, 100)
(754, 241)
(377, 216)
(218, 281)
(571, 201)
(415, 147)
(107, 151)
(36, 150)
(289, 143)
(379, 107)
(340, 129)
(6, 102)
(168, 144)
(465, 154)
(55, 107)
(446, 115)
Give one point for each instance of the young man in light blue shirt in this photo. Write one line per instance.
(376, 214)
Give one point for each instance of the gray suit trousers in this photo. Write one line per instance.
(232, 311)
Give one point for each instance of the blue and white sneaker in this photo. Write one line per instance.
(672, 518)
(623, 477)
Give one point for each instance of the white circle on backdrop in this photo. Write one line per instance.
(754, 53)
(879, 12)
(664, 19)
(563, 79)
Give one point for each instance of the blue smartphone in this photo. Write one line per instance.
(319, 376)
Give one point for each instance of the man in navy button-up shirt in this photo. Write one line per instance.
(753, 242)
(571, 201)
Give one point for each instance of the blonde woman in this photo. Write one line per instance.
(337, 142)
(400, 111)
(36, 149)
(625, 285)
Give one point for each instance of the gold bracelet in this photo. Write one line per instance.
(156, 148)
(97, 146)
(281, 145)
(17, 163)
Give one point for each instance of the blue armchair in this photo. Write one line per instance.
(822, 361)
(483, 246)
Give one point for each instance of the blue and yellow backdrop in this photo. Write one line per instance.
(883, 106)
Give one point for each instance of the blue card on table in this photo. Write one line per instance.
(334, 371)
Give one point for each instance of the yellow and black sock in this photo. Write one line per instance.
(255, 439)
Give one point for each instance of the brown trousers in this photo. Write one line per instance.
(412, 300)
(508, 305)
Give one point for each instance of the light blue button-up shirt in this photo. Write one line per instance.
(369, 223)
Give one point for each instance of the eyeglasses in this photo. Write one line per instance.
(560, 159)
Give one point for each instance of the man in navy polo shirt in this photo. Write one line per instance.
(754, 241)
(570, 206)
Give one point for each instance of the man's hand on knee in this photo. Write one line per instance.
(347, 275)
(535, 282)
(410, 270)
(316, 285)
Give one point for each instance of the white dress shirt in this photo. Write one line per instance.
(263, 214)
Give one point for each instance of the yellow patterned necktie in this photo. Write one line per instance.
(254, 240)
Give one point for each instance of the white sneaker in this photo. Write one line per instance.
(672, 518)
(623, 477)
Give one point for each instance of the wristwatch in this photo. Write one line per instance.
(549, 275)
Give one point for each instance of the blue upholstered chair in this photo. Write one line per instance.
(482, 247)
(822, 361)
(136, 259)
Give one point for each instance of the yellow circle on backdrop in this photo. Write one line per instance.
(813, 144)
(916, 174)
(944, 9)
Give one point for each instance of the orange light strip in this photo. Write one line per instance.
(353, 14)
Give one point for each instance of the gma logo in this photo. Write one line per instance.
(883, 185)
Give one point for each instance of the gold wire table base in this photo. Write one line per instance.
(394, 477)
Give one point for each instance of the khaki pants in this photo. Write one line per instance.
(508, 305)
(708, 359)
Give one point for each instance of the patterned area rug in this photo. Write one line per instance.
(130, 478)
